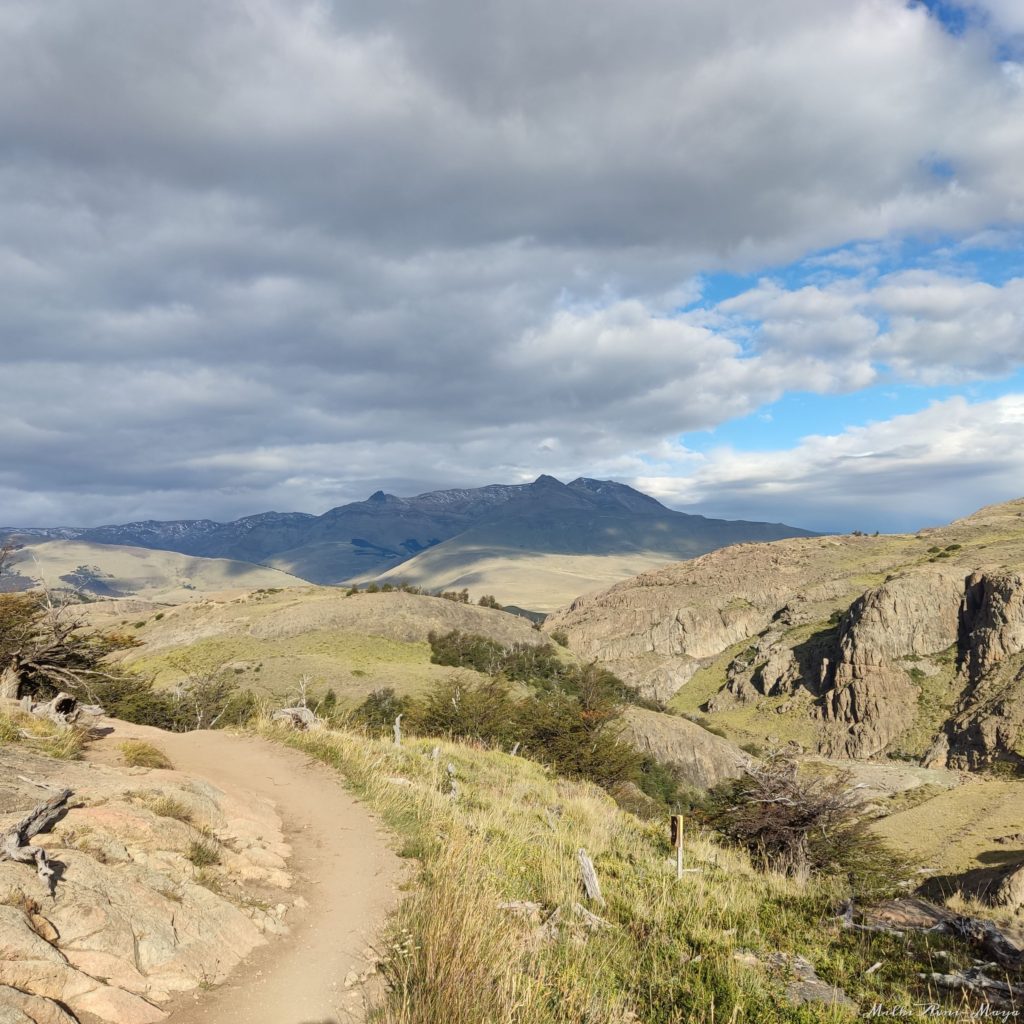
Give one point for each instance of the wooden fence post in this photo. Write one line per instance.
(398, 731)
(677, 842)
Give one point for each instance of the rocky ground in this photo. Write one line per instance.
(169, 881)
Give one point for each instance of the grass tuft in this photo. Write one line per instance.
(139, 754)
(202, 854)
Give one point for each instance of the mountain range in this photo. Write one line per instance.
(450, 537)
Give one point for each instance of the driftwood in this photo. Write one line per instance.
(66, 710)
(996, 993)
(15, 844)
(590, 882)
(300, 718)
(922, 916)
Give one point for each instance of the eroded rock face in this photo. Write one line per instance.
(134, 920)
(872, 696)
(702, 758)
(929, 664)
(989, 719)
(993, 620)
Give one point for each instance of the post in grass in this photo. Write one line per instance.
(676, 823)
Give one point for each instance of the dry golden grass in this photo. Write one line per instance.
(513, 833)
(139, 754)
(63, 742)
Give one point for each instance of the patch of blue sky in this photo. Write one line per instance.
(994, 256)
(798, 414)
(955, 18)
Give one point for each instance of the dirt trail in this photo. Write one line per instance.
(342, 866)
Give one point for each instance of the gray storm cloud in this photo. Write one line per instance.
(270, 253)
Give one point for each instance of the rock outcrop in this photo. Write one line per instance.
(988, 723)
(133, 919)
(928, 664)
(873, 699)
(701, 758)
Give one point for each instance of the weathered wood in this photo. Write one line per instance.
(927, 918)
(10, 682)
(515, 748)
(66, 710)
(590, 882)
(398, 730)
(298, 718)
(453, 785)
(15, 844)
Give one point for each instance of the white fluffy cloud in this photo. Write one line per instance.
(902, 473)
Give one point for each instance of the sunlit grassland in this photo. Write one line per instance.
(512, 833)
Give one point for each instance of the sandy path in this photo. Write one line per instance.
(342, 866)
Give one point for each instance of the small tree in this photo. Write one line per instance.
(46, 648)
(805, 824)
(378, 712)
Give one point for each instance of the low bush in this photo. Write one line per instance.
(805, 825)
(378, 712)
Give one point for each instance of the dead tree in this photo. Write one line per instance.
(44, 647)
(16, 843)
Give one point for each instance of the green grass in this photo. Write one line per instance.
(65, 743)
(351, 664)
(165, 806)
(668, 956)
(202, 853)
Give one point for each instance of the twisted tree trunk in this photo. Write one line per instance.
(15, 844)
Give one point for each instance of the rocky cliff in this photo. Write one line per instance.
(857, 646)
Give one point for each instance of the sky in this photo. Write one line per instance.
(763, 259)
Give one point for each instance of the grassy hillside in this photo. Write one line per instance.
(112, 571)
(535, 580)
(270, 639)
(669, 951)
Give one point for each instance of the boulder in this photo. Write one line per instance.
(702, 758)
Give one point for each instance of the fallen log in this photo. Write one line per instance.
(914, 914)
(16, 844)
(66, 710)
(301, 719)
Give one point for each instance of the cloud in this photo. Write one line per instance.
(276, 253)
(920, 325)
(897, 474)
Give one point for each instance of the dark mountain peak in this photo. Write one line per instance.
(547, 481)
(609, 494)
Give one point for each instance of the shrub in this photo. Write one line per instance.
(489, 601)
(560, 637)
(483, 711)
(200, 701)
(139, 754)
(803, 825)
(378, 712)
